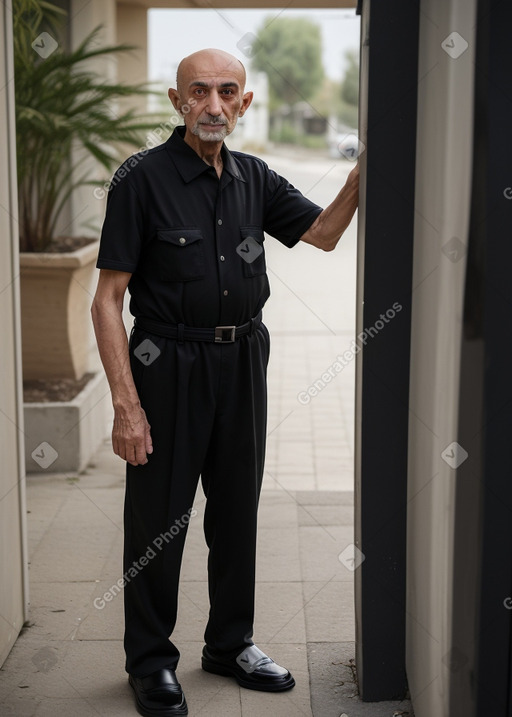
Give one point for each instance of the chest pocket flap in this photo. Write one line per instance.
(179, 254)
(252, 252)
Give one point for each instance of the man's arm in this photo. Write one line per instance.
(326, 230)
(131, 438)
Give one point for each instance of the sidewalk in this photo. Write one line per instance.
(69, 660)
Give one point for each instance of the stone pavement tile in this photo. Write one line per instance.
(294, 481)
(105, 502)
(297, 423)
(33, 670)
(195, 555)
(335, 482)
(339, 480)
(193, 608)
(285, 704)
(327, 463)
(270, 482)
(112, 568)
(326, 515)
(58, 608)
(64, 554)
(295, 457)
(19, 707)
(329, 610)
(333, 448)
(284, 425)
(108, 462)
(277, 510)
(279, 613)
(104, 619)
(338, 497)
(46, 500)
(291, 406)
(75, 707)
(334, 691)
(224, 700)
(95, 679)
(320, 547)
(207, 695)
(332, 434)
(278, 555)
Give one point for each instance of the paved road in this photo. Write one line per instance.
(311, 317)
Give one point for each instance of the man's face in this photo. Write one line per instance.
(211, 96)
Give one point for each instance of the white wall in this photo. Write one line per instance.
(443, 176)
(13, 561)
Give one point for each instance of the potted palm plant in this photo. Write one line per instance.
(65, 111)
(67, 114)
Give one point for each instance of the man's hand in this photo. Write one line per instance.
(131, 437)
(353, 177)
(326, 230)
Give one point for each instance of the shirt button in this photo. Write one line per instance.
(225, 292)
(222, 258)
(219, 221)
(182, 240)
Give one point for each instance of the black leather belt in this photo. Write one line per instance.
(218, 334)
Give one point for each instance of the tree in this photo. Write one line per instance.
(289, 50)
(350, 83)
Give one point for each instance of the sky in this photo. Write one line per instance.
(173, 34)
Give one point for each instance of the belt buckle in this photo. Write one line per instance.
(225, 334)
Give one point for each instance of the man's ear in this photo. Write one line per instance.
(175, 99)
(246, 101)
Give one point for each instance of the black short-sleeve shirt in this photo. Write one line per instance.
(193, 242)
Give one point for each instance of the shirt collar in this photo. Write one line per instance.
(189, 164)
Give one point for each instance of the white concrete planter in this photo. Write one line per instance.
(55, 291)
(62, 437)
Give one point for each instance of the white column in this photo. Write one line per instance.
(132, 29)
(13, 555)
(443, 193)
(84, 213)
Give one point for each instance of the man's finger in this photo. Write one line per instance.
(131, 455)
(115, 446)
(140, 453)
(149, 441)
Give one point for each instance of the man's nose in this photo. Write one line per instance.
(214, 106)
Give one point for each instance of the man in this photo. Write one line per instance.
(184, 231)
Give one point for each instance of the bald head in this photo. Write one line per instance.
(210, 95)
(208, 63)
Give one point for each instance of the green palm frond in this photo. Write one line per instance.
(62, 105)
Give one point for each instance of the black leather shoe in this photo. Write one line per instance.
(252, 669)
(159, 694)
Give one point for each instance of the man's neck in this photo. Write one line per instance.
(210, 152)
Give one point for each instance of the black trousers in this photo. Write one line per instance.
(207, 407)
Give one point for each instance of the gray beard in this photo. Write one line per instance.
(206, 136)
